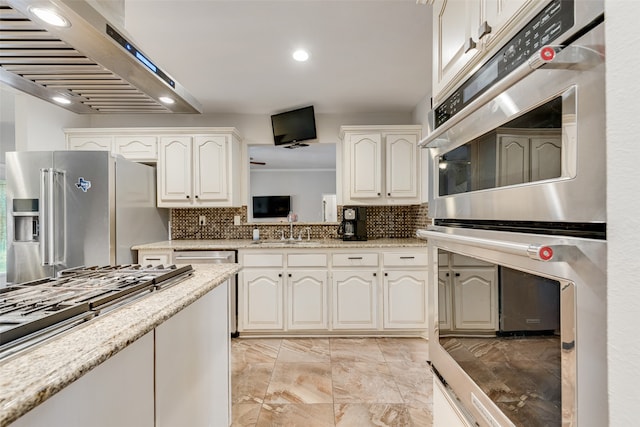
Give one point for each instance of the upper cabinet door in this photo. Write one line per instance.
(365, 157)
(174, 170)
(402, 160)
(210, 165)
(455, 41)
(92, 143)
(498, 15)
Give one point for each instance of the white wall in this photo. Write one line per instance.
(623, 210)
(305, 188)
(39, 125)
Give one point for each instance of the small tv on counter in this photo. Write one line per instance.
(271, 206)
(294, 126)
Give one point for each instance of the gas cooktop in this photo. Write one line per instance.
(33, 311)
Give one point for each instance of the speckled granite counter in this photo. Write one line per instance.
(180, 245)
(29, 378)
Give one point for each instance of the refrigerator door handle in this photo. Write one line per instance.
(46, 213)
(59, 232)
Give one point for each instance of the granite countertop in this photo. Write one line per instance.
(31, 377)
(179, 245)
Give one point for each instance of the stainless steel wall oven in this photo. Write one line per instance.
(517, 246)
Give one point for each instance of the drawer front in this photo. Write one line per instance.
(262, 260)
(404, 259)
(355, 260)
(307, 260)
(155, 259)
(137, 147)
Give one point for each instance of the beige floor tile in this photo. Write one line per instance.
(292, 415)
(250, 384)
(255, 350)
(421, 416)
(300, 383)
(245, 414)
(372, 415)
(355, 350)
(404, 349)
(305, 350)
(356, 382)
(414, 380)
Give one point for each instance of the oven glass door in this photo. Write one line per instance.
(526, 149)
(502, 327)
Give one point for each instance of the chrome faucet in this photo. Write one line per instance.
(291, 217)
(308, 230)
(281, 234)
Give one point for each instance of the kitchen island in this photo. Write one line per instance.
(28, 379)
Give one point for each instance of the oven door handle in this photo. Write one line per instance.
(532, 250)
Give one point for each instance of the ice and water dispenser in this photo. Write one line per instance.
(26, 220)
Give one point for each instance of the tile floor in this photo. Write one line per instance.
(309, 382)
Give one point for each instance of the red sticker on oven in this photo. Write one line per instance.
(545, 253)
(547, 53)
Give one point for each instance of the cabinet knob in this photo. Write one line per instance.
(386, 274)
(469, 45)
(457, 274)
(447, 274)
(196, 196)
(388, 194)
(378, 194)
(484, 29)
(289, 274)
(375, 274)
(187, 197)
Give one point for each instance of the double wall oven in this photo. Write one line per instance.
(517, 244)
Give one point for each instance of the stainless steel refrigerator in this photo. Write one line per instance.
(73, 208)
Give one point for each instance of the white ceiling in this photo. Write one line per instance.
(234, 56)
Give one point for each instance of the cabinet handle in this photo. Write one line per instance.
(447, 275)
(375, 274)
(378, 194)
(279, 274)
(457, 274)
(355, 257)
(187, 197)
(469, 45)
(407, 257)
(484, 29)
(388, 194)
(289, 274)
(196, 196)
(152, 259)
(386, 274)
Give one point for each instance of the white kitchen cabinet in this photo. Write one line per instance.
(355, 302)
(155, 257)
(307, 299)
(525, 156)
(380, 165)
(466, 33)
(90, 142)
(192, 361)
(467, 294)
(138, 148)
(474, 291)
(405, 290)
(199, 171)
(118, 392)
(261, 294)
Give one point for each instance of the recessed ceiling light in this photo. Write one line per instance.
(50, 16)
(166, 100)
(61, 100)
(300, 55)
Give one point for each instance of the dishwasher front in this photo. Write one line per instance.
(215, 257)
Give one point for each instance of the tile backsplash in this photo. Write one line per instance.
(382, 222)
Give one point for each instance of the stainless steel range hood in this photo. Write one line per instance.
(90, 62)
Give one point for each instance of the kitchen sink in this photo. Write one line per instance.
(283, 243)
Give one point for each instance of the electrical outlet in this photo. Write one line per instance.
(202, 220)
(236, 220)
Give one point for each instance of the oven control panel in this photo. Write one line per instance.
(547, 26)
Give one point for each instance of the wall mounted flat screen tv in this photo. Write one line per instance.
(271, 206)
(294, 126)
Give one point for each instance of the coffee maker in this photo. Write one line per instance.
(354, 223)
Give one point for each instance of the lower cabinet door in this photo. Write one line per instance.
(405, 299)
(355, 299)
(192, 364)
(474, 294)
(307, 299)
(262, 299)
